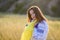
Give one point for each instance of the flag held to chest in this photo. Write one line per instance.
(27, 33)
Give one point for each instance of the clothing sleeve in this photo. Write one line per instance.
(41, 32)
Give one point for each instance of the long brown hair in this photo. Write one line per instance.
(38, 13)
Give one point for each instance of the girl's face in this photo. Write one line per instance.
(32, 14)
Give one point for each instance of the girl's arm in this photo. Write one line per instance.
(41, 32)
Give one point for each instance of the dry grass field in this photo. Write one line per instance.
(11, 27)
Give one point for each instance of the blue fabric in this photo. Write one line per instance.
(40, 31)
(36, 25)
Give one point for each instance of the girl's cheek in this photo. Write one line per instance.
(34, 15)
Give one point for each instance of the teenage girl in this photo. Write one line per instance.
(40, 31)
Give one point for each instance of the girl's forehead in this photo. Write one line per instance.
(31, 11)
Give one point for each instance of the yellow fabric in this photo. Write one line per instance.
(27, 33)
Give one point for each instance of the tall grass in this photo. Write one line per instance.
(11, 27)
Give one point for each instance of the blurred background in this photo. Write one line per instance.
(13, 17)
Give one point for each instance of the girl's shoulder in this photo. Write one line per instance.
(42, 24)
